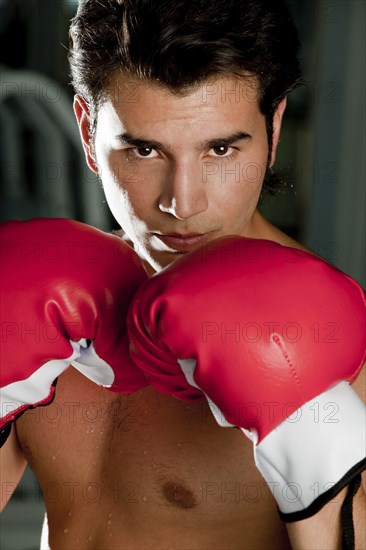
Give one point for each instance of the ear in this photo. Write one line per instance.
(81, 111)
(277, 123)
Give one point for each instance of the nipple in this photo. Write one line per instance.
(180, 496)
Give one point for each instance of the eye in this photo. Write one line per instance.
(222, 150)
(144, 152)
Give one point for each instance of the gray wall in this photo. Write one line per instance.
(336, 202)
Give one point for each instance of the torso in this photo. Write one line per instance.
(145, 471)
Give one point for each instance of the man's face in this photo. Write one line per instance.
(179, 171)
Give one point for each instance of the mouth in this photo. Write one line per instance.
(183, 243)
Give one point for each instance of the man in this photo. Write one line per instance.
(179, 107)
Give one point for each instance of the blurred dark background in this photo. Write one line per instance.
(322, 150)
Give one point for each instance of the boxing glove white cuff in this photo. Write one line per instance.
(17, 396)
(91, 365)
(188, 367)
(291, 457)
(37, 388)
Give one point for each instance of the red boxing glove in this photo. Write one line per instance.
(65, 291)
(272, 336)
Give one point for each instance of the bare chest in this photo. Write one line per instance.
(152, 471)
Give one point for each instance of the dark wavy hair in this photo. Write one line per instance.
(183, 43)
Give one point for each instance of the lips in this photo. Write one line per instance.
(183, 243)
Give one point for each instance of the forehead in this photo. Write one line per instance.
(246, 85)
(138, 103)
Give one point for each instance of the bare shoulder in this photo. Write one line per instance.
(265, 230)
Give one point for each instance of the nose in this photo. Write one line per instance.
(184, 194)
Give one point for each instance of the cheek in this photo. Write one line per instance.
(118, 179)
(253, 174)
(239, 182)
(240, 202)
(115, 170)
(131, 193)
(239, 187)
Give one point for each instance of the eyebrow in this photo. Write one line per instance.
(225, 140)
(132, 141)
(128, 139)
